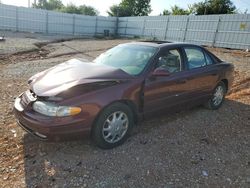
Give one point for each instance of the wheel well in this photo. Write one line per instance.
(132, 106)
(225, 81)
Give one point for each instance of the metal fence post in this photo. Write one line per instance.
(166, 30)
(248, 47)
(143, 27)
(216, 31)
(17, 24)
(186, 29)
(73, 24)
(47, 22)
(116, 26)
(96, 22)
(126, 28)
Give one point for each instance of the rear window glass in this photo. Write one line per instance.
(195, 58)
(208, 59)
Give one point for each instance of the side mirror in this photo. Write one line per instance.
(160, 72)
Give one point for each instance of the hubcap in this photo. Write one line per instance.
(115, 127)
(218, 95)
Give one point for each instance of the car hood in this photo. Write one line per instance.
(72, 73)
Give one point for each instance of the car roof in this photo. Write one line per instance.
(160, 44)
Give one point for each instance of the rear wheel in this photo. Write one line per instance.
(113, 126)
(217, 98)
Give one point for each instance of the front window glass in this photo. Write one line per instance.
(171, 61)
(130, 58)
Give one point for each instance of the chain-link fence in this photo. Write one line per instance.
(228, 31)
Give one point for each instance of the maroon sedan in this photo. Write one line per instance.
(129, 82)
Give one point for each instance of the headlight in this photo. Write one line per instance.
(50, 109)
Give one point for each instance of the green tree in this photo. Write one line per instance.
(114, 10)
(119, 11)
(178, 11)
(166, 12)
(214, 7)
(48, 5)
(175, 10)
(88, 10)
(70, 8)
(83, 9)
(131, 8)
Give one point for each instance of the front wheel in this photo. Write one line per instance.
(217, 98)
(113, 126)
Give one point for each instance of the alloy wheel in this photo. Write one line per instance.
(218, 95)
(115, 127)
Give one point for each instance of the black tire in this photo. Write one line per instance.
(97, 132)
(211, 104)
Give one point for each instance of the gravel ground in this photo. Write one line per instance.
(194, 148)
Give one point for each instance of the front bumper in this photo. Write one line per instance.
(37, 134)
(52, 128)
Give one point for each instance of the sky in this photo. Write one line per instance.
(157, 5)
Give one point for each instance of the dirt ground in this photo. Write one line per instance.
(194, 148)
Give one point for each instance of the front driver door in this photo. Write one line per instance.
(165, 91)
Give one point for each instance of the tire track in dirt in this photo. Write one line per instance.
(41, 53)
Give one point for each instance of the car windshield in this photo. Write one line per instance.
(130, 58)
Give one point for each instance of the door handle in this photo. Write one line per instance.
(183, 81)
(191, 78)
(213, 74)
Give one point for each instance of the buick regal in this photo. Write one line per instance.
(128, 83)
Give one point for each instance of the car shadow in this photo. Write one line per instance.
(79, 163)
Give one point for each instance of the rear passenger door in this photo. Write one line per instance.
(202, 74)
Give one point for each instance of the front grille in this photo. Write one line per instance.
(32, 93)
(27, 97)
(24, 101)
